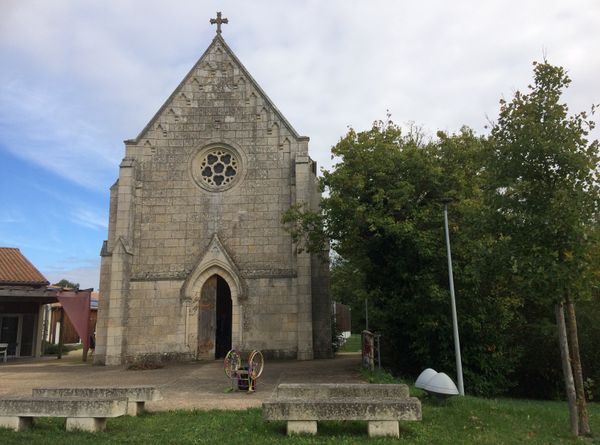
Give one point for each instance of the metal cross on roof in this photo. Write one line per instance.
(218, 21)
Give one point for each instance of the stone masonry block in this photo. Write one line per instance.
(16, 423)
(301, 427)
(90, 424)
(383, 428)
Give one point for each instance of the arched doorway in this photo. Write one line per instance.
(223, 309)
(214, 318)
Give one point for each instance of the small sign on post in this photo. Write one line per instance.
(368, 350)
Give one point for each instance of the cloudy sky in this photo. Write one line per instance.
(78, 77)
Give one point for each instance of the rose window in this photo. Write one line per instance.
(218, 168)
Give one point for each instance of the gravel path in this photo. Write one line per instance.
(193, 385)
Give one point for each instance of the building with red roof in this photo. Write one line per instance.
(23, 293)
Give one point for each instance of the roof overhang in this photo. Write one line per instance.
(42, 296)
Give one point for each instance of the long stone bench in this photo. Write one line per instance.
(303, 405)
(81, 414)
(137, 396)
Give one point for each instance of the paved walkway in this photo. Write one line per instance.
(199, 385)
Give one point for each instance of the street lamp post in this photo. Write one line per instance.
(459, 373)
(366, 313)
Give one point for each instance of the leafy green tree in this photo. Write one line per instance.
(545, 197)
(383, 217)
(64, 283)
(525, 237)
(347, 287)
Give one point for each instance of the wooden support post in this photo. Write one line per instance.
(61, 333)
(86, 341)
(584, 421)
(567, 370)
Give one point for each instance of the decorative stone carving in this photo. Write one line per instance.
(268, 273)
(216, 168)
(160, 276)
(216, 260)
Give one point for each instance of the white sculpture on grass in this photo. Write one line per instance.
(437, 383)
(424, 377)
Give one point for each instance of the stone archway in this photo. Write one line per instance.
(224, 319)
(199, 292)
(215, 317)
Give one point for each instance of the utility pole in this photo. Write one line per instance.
(459, 373)
(366, 313)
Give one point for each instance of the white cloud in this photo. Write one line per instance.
(86, 276)
(82, 270)
(79, 77)
(90, 218)
(11, 217)
(44, 127)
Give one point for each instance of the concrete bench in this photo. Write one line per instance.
(81, 414)
(137, 396)
(382, 406)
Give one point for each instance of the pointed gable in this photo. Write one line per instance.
(215, 260)
(217, 79)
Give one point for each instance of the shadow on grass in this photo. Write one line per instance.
(337, 429)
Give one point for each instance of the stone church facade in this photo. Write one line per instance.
(197, 260)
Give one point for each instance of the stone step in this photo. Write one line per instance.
(342, 409)
(61, 407)
(81, 414)
(306, 391)
(136, 395)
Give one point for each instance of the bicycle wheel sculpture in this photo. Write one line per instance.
(255, 367)
(256, 363)
(232, 363)
(243, 375)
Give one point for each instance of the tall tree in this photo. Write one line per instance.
(545, 198)
(384, 218)
(64, 283)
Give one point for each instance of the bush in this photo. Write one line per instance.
(337, 340)
(52, 349)
(588, 317)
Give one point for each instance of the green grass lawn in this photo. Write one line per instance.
(467, 420)
(352, 344)
(461, 420)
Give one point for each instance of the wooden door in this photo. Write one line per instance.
(207, 319)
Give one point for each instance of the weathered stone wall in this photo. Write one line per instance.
(156, 318)
(271, 321)
(105, 269)
(164, 215)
